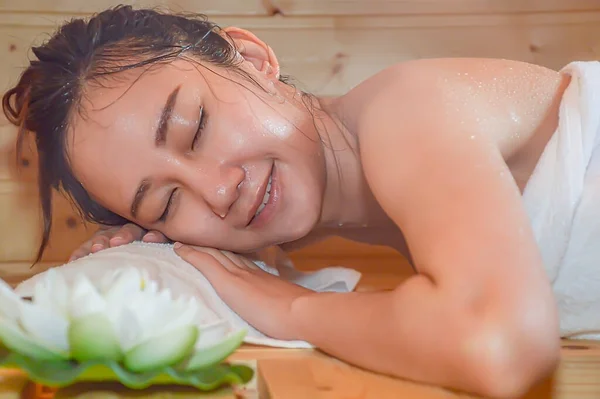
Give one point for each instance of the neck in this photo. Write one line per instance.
(347, 198)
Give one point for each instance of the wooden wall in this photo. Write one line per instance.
(326, 45)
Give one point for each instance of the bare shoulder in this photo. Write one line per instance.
(433, 145)
(500, 102)
(494, 95)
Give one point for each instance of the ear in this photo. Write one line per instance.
(254, 50)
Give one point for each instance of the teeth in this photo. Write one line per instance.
(265, 198)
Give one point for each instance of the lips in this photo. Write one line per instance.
(265, 198)
(262, 198)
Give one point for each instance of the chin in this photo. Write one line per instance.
(300, 225)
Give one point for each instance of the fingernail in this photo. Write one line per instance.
(177, 245)
(149, 236)
(97, 247)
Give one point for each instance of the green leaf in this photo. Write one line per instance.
(16, 340)
(92, 337)
(162, 351)
(62, 373)
(215, 354)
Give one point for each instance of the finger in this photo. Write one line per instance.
(252, 265)
(206, 261)
(86, 248)
(99, 242)
(82, 251)
(228, 263)
(126, 234)
(155, 236)
(240, 261)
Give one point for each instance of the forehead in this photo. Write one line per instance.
(112, 93)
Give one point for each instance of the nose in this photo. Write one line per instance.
(221, 188)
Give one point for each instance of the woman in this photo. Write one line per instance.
(165, 126)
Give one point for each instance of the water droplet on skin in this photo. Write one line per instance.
(515, 117)
(280, 128)
(180, 120)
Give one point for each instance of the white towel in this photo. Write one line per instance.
(562, 199)
(170, 271)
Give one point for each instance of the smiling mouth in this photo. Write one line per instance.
(265, 198)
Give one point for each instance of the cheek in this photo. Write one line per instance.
(195, 224)
(233, 131)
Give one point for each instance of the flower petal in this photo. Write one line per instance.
(52, 291)
(45, 324)
(211, 334)
(18, 341)
(128, 329)
(9, 302)
(92, 338)
(85, 299)
(119, 285)
(215, 353)
(159, 314)
(162, 351)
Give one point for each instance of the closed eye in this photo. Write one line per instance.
(201, 123)
(165, 213)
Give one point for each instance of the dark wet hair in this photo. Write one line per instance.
(49, 92)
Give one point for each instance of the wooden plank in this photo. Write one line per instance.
(21, 225)
(23, 170)
(15, 272)
(209, 7)
(579, 371)
(313, 7)
(296, 375)
(406, 7)
(329, 56)
(319, 377)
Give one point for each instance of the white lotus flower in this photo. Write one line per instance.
(123, 317)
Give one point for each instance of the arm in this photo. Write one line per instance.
(480, 314)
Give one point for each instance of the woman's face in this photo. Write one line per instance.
(202, 155)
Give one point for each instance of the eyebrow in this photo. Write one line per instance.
(139, 196)
(160, 138)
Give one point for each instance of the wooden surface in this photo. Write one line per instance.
(328, 46)
(310, 374)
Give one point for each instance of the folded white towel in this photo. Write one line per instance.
(562, 199)
(170, 271)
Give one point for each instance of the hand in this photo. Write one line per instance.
(260, 298)
(115, 236)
